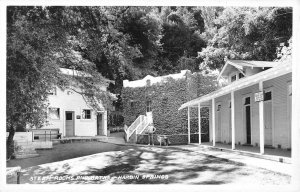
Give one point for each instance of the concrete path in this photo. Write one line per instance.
(284, 168)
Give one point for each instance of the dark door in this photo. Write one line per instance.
(248, 124)
(100, 124)
(230, 128)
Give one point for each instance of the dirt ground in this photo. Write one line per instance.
(148, 165)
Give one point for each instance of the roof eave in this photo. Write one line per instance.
(246, 82)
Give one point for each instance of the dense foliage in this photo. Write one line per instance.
(166, 97)
(247, 33)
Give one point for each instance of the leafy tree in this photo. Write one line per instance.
(247, 33)
(143, 26)
(39, 42)
(181, 30)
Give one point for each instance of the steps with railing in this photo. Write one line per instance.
(138, 126)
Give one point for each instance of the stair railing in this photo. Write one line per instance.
(137, 126)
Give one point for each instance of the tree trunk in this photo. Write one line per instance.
(10, 142)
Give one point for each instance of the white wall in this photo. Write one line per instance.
(22, 137)
(74, 102)
(281, 119)
(224, 112)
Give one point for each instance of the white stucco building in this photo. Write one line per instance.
(69, 112)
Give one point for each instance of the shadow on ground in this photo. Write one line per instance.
(171, 165)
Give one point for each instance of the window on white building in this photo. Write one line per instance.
(148, 106)
(86, 114)
(241, 75)
(233, 78)
(54, 113)
(247, 101)
(268, 96)
(290, 89)
(132, 104)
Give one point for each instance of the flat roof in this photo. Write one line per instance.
(153, 80)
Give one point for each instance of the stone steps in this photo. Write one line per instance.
(24, 156)
(25, 150)
(118, 140)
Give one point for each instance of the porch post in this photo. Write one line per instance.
(261, 122)
(213, 121)
(189, 126)
(232, 121)
(199, 122)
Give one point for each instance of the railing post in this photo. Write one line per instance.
(50, 135)
(45, 136)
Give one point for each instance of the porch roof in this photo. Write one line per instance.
(282, 68)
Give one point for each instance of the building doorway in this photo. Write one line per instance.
(149, 111)
(248, 119)
(268, 118)
(70, 124)
(219, 124)
(100, 124)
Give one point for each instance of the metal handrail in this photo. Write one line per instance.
(46, 134)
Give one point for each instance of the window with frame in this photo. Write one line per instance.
(233, 78)
(290, 91)
(268, 96)
(219, 108)
(241, 75)
(247, 101)
(54, 113)
(132, 104)
(86, 114)
(69, 116)
(148, 106)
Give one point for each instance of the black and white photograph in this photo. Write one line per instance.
(200, 94)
